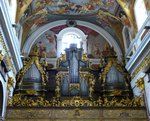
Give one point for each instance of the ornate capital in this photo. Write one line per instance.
(143, 64)
(10, 83)
(1, 55)
(140, 84)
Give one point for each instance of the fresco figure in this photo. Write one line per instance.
(47, 45)
(42, 48)
(50, 45)
(126, 22)
(96, 51)
(124, 19)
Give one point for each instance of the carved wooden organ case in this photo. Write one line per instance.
(72, 78)
(77, 82)
(31, 79)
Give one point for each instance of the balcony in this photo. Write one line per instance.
(139, 47)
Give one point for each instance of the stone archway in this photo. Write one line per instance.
(1, 99)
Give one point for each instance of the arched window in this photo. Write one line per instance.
(69, 36)
(12, 10)
(126, 37)
(140, 13)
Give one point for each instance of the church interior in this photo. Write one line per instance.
(74, 60)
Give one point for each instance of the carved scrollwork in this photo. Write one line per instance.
(143, 64)
(115, 79)
(83, 75)
(28, 63)
(113, 62)
(1, 55)
(19, 100)
(35, 71)
(4, 55)
(10, 82)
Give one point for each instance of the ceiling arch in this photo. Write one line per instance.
(32, 39)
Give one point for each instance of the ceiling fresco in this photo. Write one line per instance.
(39, 11)
(111, 15)
(67, 7)
(71, 7)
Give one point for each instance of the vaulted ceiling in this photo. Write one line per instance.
(33, 14)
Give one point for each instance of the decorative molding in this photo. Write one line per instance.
(144, 63)
(76, 114)
(6, 57)
(10, 35)
(19, 100)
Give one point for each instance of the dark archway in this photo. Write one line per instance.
(1, 99)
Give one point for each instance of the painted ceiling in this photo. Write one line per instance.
(32, 14)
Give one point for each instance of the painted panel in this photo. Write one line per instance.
(47, 44)
(96, 45)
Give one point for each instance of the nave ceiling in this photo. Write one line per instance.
(107, 14)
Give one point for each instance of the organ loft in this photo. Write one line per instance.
(74, 60)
